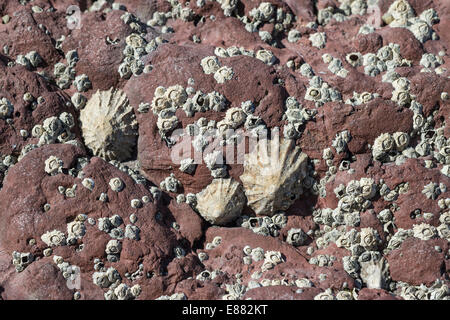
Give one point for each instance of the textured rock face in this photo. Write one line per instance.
(127, 169)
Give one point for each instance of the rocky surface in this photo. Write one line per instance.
(361, 87)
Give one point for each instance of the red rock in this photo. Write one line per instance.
(376, 294)
(417, 261)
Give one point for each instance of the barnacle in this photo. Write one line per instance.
(341, 140)
(221, 201)
(266, 56)
(53, 165)
(424, 231)
(313, 94)
(34, 58)
(170, 184)
(306, 70)
(116, 184)
(431, 190)
(272, 176)
(398, 13)
(176, 95)
(382, 145)
(54, 238)
(166, 125)
(294, 35)
(135, 203)
(318, 39)
(109, 126)
(21, 260)
(88, 183)
(235, 117)
(421, 30)
(401, 140)
(326, 295)
(82, 83)
(264, 12)
(257, 254)
(354, 59)
(369, 238)
(113, 247)
(223, 74)
(6, 108)
(76, 229)
(296, 237)
(210, 64)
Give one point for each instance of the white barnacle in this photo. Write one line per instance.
(53, 165)
(82, 83)
(221, 52)
(217, 101)
(294, 35)
(6, 108)
(431, 190)
(113, 247)
(78, 100)
(369, 238)
(367, 188)
(109, 126)
(257, 254)
(401, 140)
(210, 64)
(424, 231)
(104, 224)
(217, 241)
(429, 60)
(88, 183)
(23, 60)
(176, 95)
(132, 232)
(326, 295)
(187, 166)
(116, 184)
(54, 238)
(134, 40)
(445, 218)
(421, 30)
(247, 250)
(402, 97)
(223, 74)
(266, 56)
(306, 70)
(296, 237)
(170, 184)
(235, 117)
(136, 203)
(76, 229)
(383, 144)
(341, 140)
(274, 257)
(166, 125)
(318, 39)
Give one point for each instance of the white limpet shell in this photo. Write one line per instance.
(221, 201)
(272, 176)
(109, 125)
